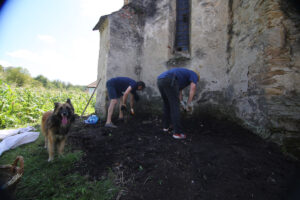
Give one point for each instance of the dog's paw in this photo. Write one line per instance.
(50, 159)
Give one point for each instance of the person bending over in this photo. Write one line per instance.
(170, 84)
(120, 87)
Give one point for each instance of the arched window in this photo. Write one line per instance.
(182, 37)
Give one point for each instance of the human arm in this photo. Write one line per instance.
(131, 100)
(189, 105)
(131, 104)
(124, 99)
(192, 92)
(182, 103)
(180, 95)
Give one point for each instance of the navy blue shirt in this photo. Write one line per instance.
(122, 83)
(184, 76)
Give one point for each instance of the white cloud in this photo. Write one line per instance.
(75, 63)
(5, 63)
(96, 8)
(24, 54)
(47, 39)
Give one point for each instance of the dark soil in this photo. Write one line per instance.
(218, 160)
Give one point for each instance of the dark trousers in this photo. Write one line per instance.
(169, 90)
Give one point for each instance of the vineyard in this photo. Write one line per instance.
(20, 106)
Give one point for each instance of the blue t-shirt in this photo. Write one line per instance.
(184, 76)
(122, 83)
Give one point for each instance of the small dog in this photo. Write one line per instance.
(55, 126)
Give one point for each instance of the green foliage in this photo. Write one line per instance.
(20, 77)
(42, 79)
(17, 75)
(24, 105)
(20, 106)
(58, 179)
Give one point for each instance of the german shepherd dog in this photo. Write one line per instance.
(55, 127)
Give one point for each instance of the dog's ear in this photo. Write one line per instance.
(69, 101)
(56, 105)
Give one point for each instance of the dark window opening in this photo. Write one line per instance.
(182, 38)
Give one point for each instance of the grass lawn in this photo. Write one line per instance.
(58, 179)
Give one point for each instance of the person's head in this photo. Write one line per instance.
(140, 85)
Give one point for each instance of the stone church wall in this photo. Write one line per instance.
(246, 51)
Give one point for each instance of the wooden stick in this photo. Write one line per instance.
(90, 98)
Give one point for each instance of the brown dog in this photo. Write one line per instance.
(55, 127)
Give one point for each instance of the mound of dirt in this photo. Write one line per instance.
(218, 160)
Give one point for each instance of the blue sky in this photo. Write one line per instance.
(53, 37)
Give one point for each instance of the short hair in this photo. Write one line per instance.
(141, 83)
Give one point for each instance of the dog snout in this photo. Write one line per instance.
(64, 113)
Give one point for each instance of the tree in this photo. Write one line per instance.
(1, 71)
(17, 75)
(43, 80)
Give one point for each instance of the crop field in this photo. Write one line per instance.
(22, 106)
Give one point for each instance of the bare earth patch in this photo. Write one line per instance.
(218, 160)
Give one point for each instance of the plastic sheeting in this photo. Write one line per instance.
(11, 132)
(17, 137)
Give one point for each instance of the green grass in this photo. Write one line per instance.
(42, 180)
(55, 180)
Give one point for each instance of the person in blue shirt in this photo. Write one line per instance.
(170, 84)
(120, 87)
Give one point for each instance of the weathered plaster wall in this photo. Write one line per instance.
(245, 62)
(155, 46)
(120, 49)
(100, 105)
(246, 51)
(124, 47)
(209, 20)
(208, 44)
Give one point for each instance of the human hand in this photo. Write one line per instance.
(131, 111)
(189, 107)
(183, 105)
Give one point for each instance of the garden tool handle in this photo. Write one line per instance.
(90, 99)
